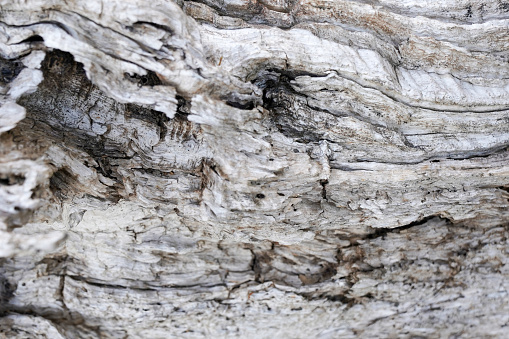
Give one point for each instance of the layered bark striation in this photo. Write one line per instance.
(254, 169)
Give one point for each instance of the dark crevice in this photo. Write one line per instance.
(142, 113)
(60, 183)
(6, 293)
(60, 25)
(504, 188)
(342, 298)
(260, 265)
(148, 115)
(240, 102)
(274, 81)
(149, 79)
(279, 98)
(241, 105)
(183, 107)
(11, 179)
(276, 88)
(61, 64)
(347, 169)
(255, 267)
(106, 285)
(158, 26)
(324, 183)
(382, 232)
(33, 38)
(9, 69)
(146, 287)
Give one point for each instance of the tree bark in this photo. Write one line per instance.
(254, 169)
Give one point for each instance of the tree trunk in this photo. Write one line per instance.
(254, 169)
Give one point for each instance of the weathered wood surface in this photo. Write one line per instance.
(243, 168)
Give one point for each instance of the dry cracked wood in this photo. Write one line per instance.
(243, 168)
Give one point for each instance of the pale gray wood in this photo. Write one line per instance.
(254, 169)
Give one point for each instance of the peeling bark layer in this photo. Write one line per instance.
(272, 168)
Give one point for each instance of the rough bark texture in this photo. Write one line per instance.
(244, 168)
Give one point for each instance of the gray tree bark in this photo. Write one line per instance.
(254, 169)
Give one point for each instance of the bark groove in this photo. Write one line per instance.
(273, 168)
